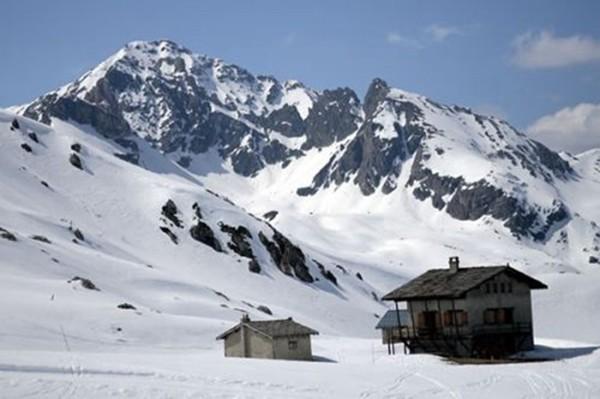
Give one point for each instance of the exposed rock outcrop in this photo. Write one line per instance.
(170, 212)
(287, 257)
(203, 233)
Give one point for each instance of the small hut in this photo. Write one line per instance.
(390, 325)
(268, 339)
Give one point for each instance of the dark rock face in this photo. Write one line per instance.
(170, 234)
(264, 309)
(371, 158)
(15, 125)
(33, 137)
(26, 147)
(7, 235)
(78, 234)
(593, 259)
(287, 257)
(197, 210)
(203, 233)
(41, 239)
(126, 306)
(376, 93)
(85, 283)
(254, 266)
(328, 274)
(75, 161)
(239, 240)
(76, 147)
(270, 215)
(105, 119)
(475, 200)
(170, 212)
(287, 121)
(333, 117)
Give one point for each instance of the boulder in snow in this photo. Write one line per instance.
(76, 161)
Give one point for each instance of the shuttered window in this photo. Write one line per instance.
(498, 316)
(455, 317)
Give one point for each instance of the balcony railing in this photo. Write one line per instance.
(463, 331)
(506, 328)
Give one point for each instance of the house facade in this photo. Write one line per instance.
(270, 339)
(468, 312)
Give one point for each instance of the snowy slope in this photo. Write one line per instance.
(117, 207)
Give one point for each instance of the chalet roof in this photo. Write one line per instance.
(445, 283)
(390, 319)
(272, 328)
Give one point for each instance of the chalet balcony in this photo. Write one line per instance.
(408, 333)
(507, 328)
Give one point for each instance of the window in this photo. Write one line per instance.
(428, 320)
(498, 316)
(489, 316)
(455, 318)
(502, 288)
(487, 288)
(509, 287)
(495, 288)
(292, 344)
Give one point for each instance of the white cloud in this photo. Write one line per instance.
(574, 129)
(544, 50)
(396, 38)
(440, 33)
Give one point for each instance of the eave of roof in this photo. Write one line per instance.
(444, 284)
(272, 328)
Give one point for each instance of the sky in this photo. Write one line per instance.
(534, 63)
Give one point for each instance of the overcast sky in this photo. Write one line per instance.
(535, 63)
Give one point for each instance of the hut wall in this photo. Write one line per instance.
(256, 345)
(292, 348)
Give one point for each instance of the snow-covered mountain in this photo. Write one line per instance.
(392, 183)
(149, 203)
(216, 118)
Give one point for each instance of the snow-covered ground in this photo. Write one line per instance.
(58, 339)
(349, 368)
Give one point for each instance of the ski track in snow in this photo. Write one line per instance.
(400, 376)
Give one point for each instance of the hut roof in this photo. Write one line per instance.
(390, 319)
(445, 283)
(272, 328)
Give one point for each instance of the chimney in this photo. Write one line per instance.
(245, 318)
(453, 263)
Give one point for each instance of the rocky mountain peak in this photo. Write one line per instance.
(187, 105)
(377, 91)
